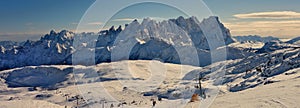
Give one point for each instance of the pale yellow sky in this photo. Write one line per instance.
(284, 24)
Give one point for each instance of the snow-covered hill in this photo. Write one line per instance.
(255, 38)
(110, 81)
(283, 93)
(273, 46)
(294, 41)
(58, 85)
(271, 60)
(248, 45)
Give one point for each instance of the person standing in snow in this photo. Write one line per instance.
(153, 103)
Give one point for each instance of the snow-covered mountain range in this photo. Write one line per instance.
(43, 70)
(148, 40)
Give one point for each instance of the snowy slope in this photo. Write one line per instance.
(248, 45)
(260, 68)
(93, 81)
(136, 82)
(284, 93)
(294, 41)
(273, 46)
(113, 83)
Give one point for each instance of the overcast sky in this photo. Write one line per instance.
(30, 19)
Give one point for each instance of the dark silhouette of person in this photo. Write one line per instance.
(153, 103)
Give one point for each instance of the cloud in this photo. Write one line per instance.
(95, 23)
(125, 19)
(20, 36)
(139, 19)
(284, 28)
(270, 15)
(159, 18)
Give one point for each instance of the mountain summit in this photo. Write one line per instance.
(173, 40)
